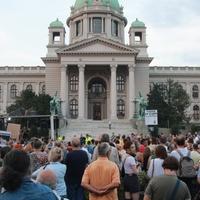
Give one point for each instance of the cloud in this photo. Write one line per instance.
(176, 45)
(172, 29)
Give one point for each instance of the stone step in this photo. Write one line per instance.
(95, 128)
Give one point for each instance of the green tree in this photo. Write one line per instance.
(30, 102)
(42, 105)
(171, 101)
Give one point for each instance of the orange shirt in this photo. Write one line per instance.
(99, 174)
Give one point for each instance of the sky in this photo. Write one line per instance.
(173, 29)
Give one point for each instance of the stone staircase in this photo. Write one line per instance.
(95, 128)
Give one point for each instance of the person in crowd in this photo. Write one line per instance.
(15, 179)
(181, 149)
(163, 142)
(153, 144)
(76, 161)
(113, 156)
(48, 177)
(146, 159)
(101, 178)
(167, 186)
(38, 158)
(131, 169)
(189, 143)
(186, 172)
(54, 163)
(84, 148)
(155, 168)
(143, 145)
(198, 176)
(197, 138)
(90, 146)
(195, 155)
(3, 152)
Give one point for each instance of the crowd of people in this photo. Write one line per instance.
(110, 167)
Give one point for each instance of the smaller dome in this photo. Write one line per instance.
(138, 24)
(56, 24)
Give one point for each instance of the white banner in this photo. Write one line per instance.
(151, 117)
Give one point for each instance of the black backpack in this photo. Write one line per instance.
(123, 170)
(186, 166)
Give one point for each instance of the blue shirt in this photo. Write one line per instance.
(29, 191)
(59, 169)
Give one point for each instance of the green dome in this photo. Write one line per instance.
(56, 24)
(113, 3)
(137, 24)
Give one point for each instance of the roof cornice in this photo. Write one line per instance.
(50, 59)
(125, 49)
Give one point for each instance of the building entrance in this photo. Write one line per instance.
(97, 107)
(97, 111)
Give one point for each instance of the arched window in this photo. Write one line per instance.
(43, 89)
(195, 91)
(29, 87)
(196, 112)
(97, 88)
(120, 108)
(74, 83)
(74, 108)
(13, 91)
(120, 83)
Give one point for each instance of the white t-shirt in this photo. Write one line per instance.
(183, 151)
(128, 165)
(158, 169)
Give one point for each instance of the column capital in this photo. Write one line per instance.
(63, 67)
(81, 67)
(113, 67)
(131, 67)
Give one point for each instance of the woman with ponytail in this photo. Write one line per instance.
(16, 182)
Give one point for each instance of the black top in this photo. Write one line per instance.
(76, 162)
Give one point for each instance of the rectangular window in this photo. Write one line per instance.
(104, 25)
(78, 28)
(138, 37)
(115, 28)
(97, 25)
(90, 19)
(56, 37)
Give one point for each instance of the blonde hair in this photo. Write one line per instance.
(56, 154)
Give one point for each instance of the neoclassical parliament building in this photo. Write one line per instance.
(96, 75)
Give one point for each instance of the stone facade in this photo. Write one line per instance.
(96, 75)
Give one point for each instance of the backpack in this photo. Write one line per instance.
(123, 170)
(186, 166)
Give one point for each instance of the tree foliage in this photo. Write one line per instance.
(171, 101)
(28, 103)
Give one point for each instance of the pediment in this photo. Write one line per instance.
(97, 46)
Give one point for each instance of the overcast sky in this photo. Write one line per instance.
(173, 29)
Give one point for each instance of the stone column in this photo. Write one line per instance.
(81, 92)
(188, 90)
(37, 89)
(131, 90)
(5, 96)
(113, 92)
(21, 87)
(63, 90)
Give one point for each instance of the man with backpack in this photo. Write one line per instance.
(186, 172)
(168, 186)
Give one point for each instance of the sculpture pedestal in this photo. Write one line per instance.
(141, 127)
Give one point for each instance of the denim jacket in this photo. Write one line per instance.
(29, 190)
